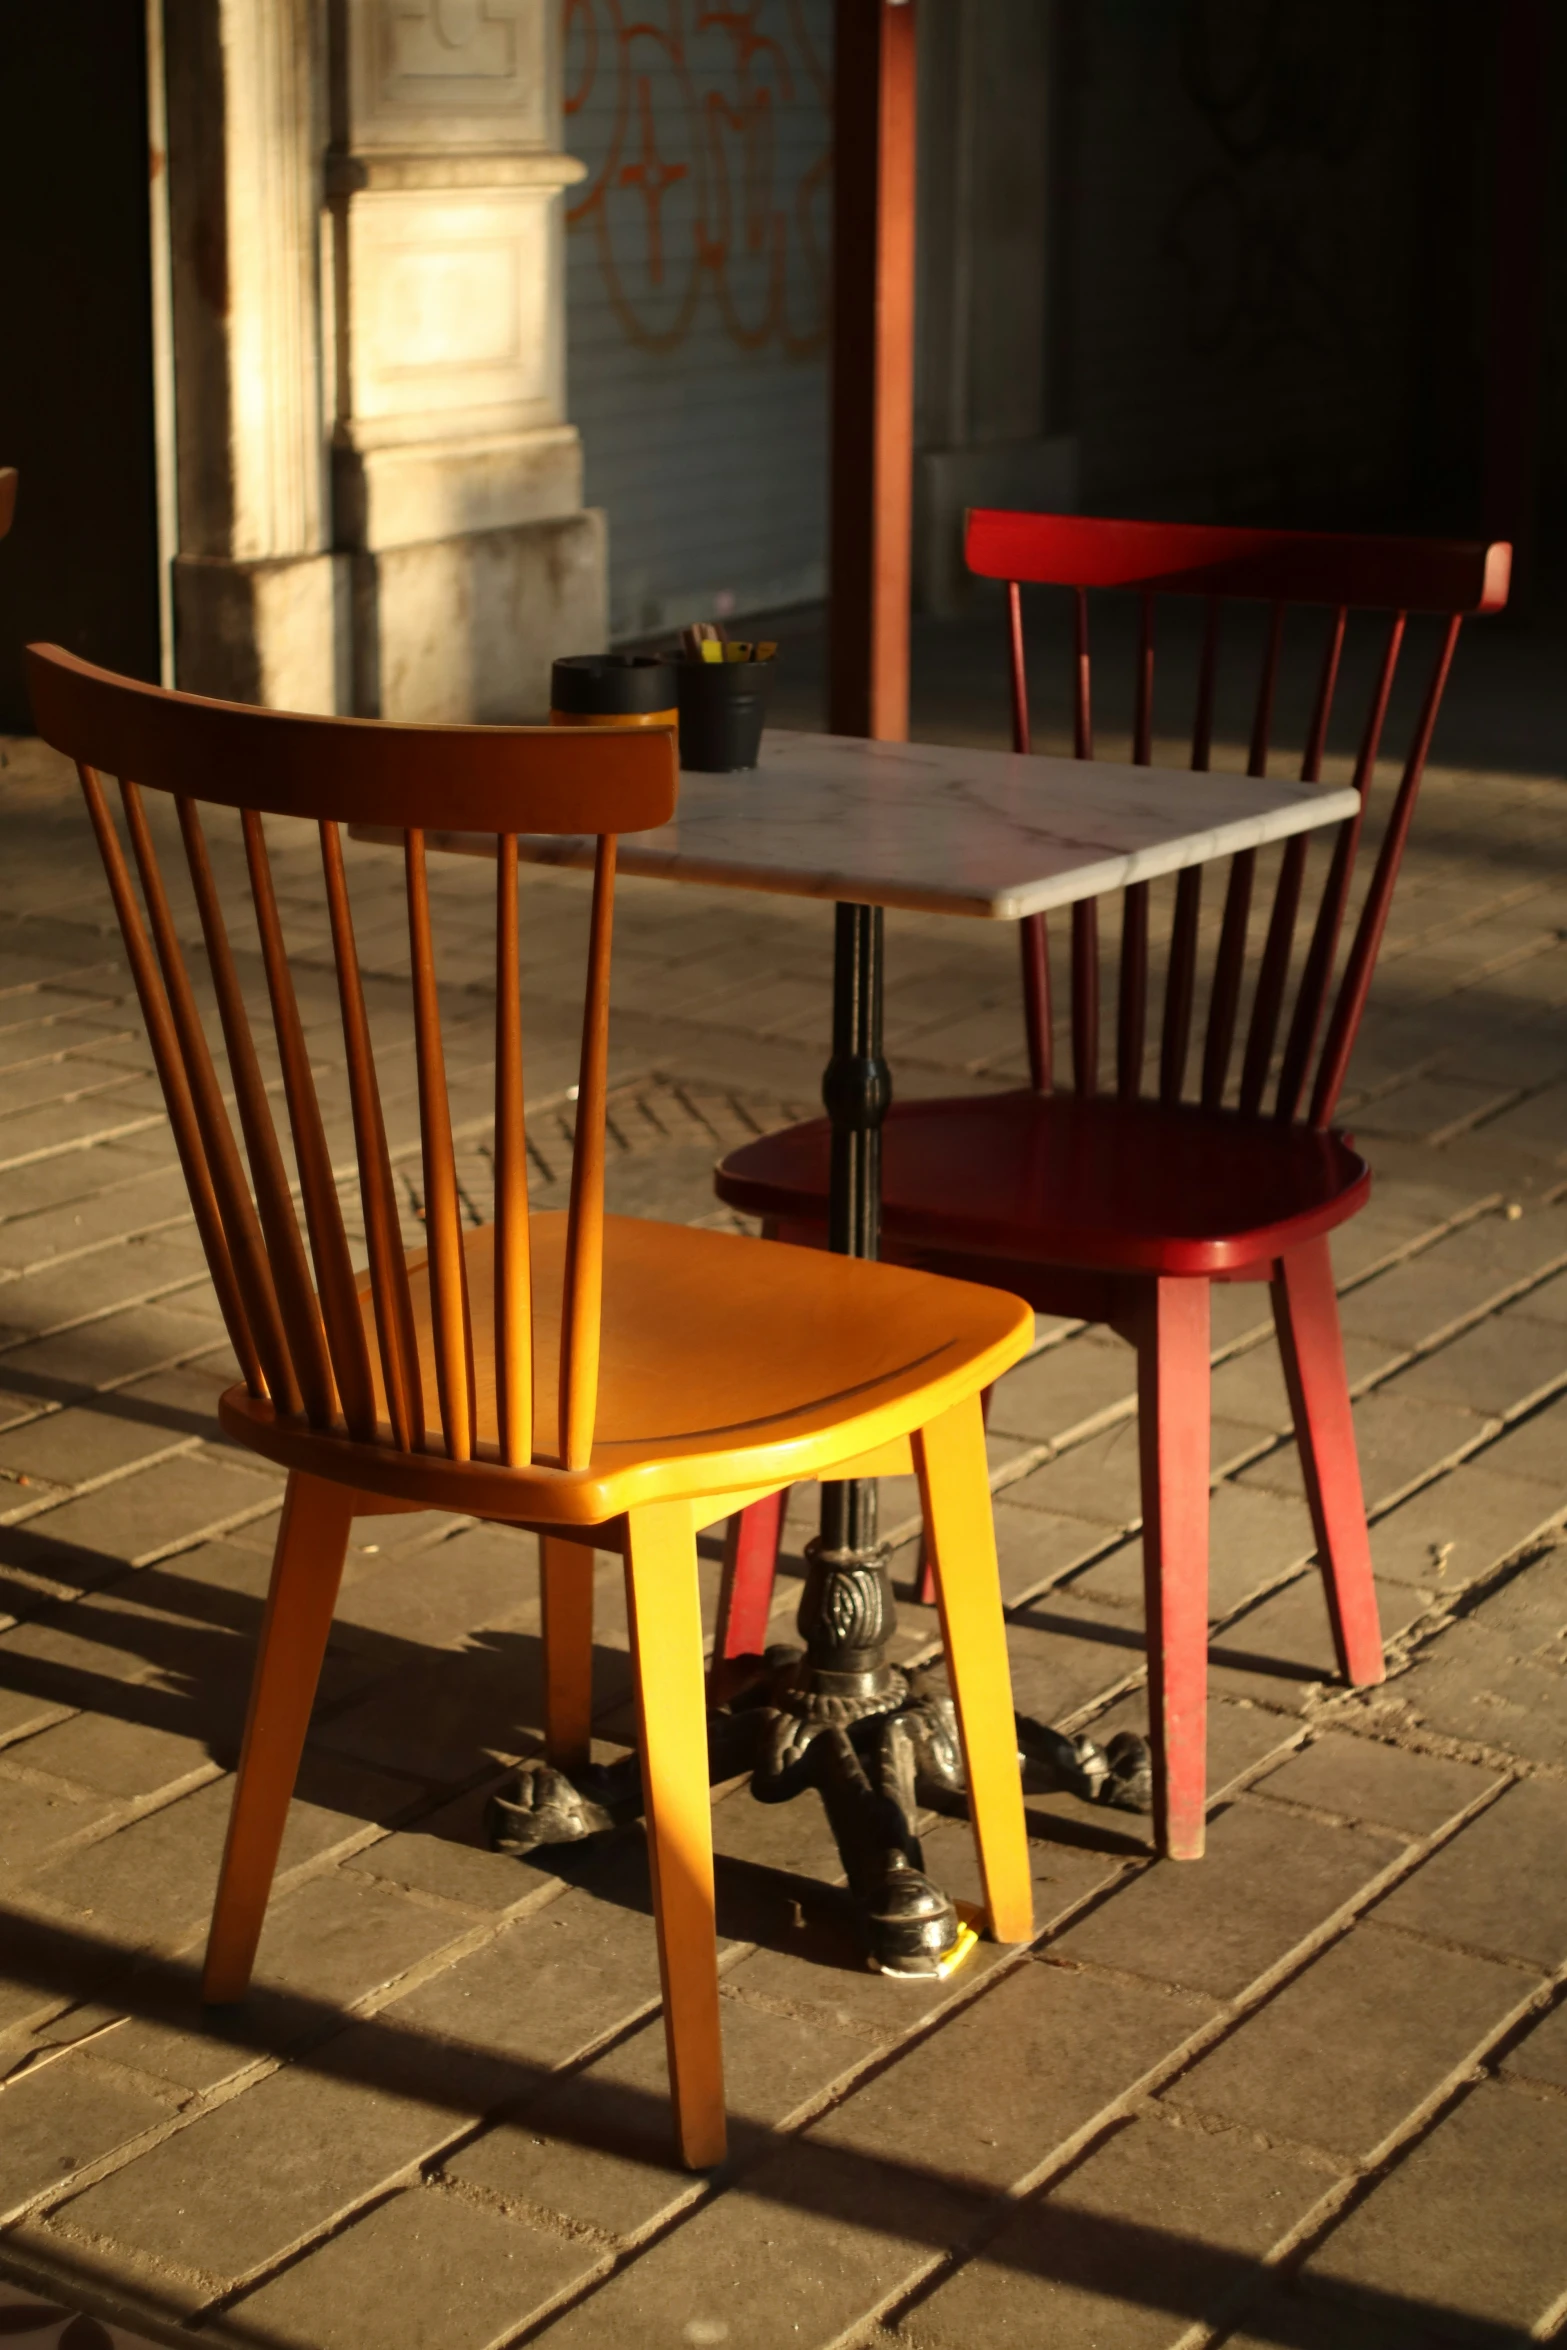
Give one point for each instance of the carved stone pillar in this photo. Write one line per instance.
(260, 599)
(457, 481)
(380, 499)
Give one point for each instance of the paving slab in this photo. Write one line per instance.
(802, 2250)
(1498, 1887)
(153, 1882)
(125, 1759)
(1160, 2229)
(1067, 1651)
(1535, 1448)
(39, 1818)
(1374, 2028)
(62, 2117)
(1528, 1607)
(1035, 1547)
(438, 1593)
(340, 1936)
(546, 1987)
(1469, 2224)
(596, 2151)
(1083, 2042)
(1364, 1781)
(1255, 1536)
(1507, 1363)
(1402, 1439)
(1471, 1683)
(1542, 2054)
(447, 1853)
(154, 1510)
(1065, 1388)
(424, 2271)
(240, 2186)
(1452, 1532)
(1271, 1879)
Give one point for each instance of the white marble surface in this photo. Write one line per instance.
(945, 831)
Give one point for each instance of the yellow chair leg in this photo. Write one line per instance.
(307, 1567)
(666, 1650)
(949, 1456)
(566, 1595)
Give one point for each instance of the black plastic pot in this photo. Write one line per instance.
(622, 689)
(722, 707)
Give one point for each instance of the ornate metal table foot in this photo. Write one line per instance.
(877, 1743)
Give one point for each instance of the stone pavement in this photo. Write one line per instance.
(1311, 2091)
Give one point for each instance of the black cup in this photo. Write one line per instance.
(722, 706)
(627, 689)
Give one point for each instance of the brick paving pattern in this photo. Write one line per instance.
(1311, 2091)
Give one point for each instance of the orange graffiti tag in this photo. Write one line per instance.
(687, 193)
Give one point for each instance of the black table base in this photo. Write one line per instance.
(878, 1743)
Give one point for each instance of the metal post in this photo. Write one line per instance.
(872, 369)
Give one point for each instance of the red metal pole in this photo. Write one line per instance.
(872, 370)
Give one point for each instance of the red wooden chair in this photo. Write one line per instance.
(1120, 1200)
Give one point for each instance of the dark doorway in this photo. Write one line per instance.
(76, 412)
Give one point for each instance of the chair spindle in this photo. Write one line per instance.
(1356, 983)
(1033, 936)
(584, 1288)
(235, 1205)
(336, 1286)
(172, 1077)
(1132, 1010)
(451, 1318)
(274, 1200)
(513, 1268)
(1085, 915)
(1273, 972)
(394, 1318)
(1316, 978)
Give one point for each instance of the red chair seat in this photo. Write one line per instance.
(1117, 1186)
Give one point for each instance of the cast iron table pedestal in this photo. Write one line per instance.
(874, 1740)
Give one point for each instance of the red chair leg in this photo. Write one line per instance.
(745, 1596)
(1305, 1312)
(1173, 1386)
(925, 1576)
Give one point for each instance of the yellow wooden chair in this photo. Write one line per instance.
(597, 1379)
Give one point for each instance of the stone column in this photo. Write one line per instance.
(457, 482)
(380, 504)
(260, 599)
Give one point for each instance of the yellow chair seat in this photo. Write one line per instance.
(726, 1366)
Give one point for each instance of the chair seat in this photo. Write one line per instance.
(727, 1365)
(1048, 1178)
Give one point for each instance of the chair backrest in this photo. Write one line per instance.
(7, 497)
(1341, 576)
(293, 1311)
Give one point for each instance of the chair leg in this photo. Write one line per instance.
(949, 1456)
(1305, 1313)
(925, 1573)
(307, 1567)
(745, 1596)
(566, 1604)
(666, 1649)
(1173, 1411)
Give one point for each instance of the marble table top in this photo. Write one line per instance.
(941, 830)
